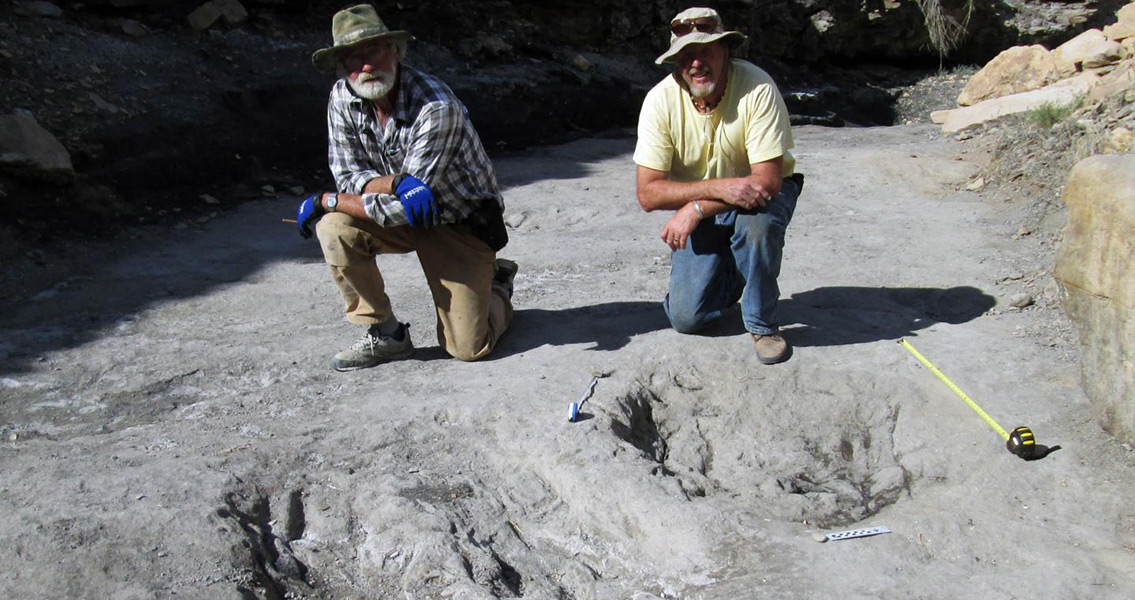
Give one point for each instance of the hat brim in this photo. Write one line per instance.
(324, 59)
(735, 39)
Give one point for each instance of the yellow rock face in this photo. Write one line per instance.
(1094, 269)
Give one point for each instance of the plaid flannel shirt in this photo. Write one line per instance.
(428, 136)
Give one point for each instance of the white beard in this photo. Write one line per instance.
(700, 91)
(703, 91)
(372, 86)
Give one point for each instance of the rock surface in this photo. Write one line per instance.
(1093, 66)
(29, 150)
(171, 428)
(1061, 93)
(1018, 69)
(1124, 26)
(1070, 56)
(1094, 271)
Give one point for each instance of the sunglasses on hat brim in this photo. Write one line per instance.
(701, 24)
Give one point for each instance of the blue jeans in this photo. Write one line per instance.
(733, 256)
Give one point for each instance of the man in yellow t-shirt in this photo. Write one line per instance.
(713, 146)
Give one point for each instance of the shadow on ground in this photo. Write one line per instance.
(607, 326)
(838, 316)
(107, 283)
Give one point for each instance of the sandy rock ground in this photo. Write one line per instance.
(171, 427)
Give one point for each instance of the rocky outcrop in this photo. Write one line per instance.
(1124, 26)
(1093, 268)
(1097, 65)
(1018, 69)
(1089, 48)
(1064, 92)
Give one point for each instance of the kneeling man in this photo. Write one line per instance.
(713, 146)
(412, 176)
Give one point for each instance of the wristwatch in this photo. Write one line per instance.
(332, 202)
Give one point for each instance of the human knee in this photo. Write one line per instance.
(686, 322)
(467, 352)
(337, 235)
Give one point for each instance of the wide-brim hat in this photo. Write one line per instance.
(352, 27)
(696, 36)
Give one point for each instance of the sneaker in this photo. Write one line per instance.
(374, 348)
(772, 348)
(505, 272)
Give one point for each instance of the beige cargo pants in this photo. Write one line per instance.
(472, 312)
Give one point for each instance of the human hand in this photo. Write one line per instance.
(682, 223)
(309, 211)
(743, 192)
(417, 200)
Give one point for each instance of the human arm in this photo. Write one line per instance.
(365, 191)
(656, 191)
(313, 207)
(409, 196)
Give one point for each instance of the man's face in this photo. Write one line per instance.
(702, 67)
(370, 68)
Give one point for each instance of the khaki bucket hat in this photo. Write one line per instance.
(351, 27)
(697, 26)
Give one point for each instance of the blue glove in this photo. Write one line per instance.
(417, 200)
(310, 210)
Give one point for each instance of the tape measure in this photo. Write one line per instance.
(1020, 442)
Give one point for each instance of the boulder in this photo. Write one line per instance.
(28, 150)
(231, 11)
(204, 16)
(1090, 46)
(1062, 92)
(1018, 69)
(1124, 27)
(1119, 141)
(1114, 84)
(1107, 56)
(1097, 284)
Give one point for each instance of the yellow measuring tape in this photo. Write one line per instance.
(961, 394)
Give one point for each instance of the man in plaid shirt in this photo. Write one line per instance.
(412, 176)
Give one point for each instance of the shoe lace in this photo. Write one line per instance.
(367, 342)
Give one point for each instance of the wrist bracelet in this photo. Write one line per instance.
(398, 177)
(697, 207)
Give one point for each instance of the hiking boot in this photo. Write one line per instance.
(772, 348)
(505, 272)
(373, 348)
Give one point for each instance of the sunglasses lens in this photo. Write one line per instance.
(704, 25)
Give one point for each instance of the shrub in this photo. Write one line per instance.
(946, 32)
(1049, 114)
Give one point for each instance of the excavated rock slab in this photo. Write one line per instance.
(1018, 69)
(1093, 267)
(1061, 92)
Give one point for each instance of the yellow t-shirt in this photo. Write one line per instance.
(749, 125)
